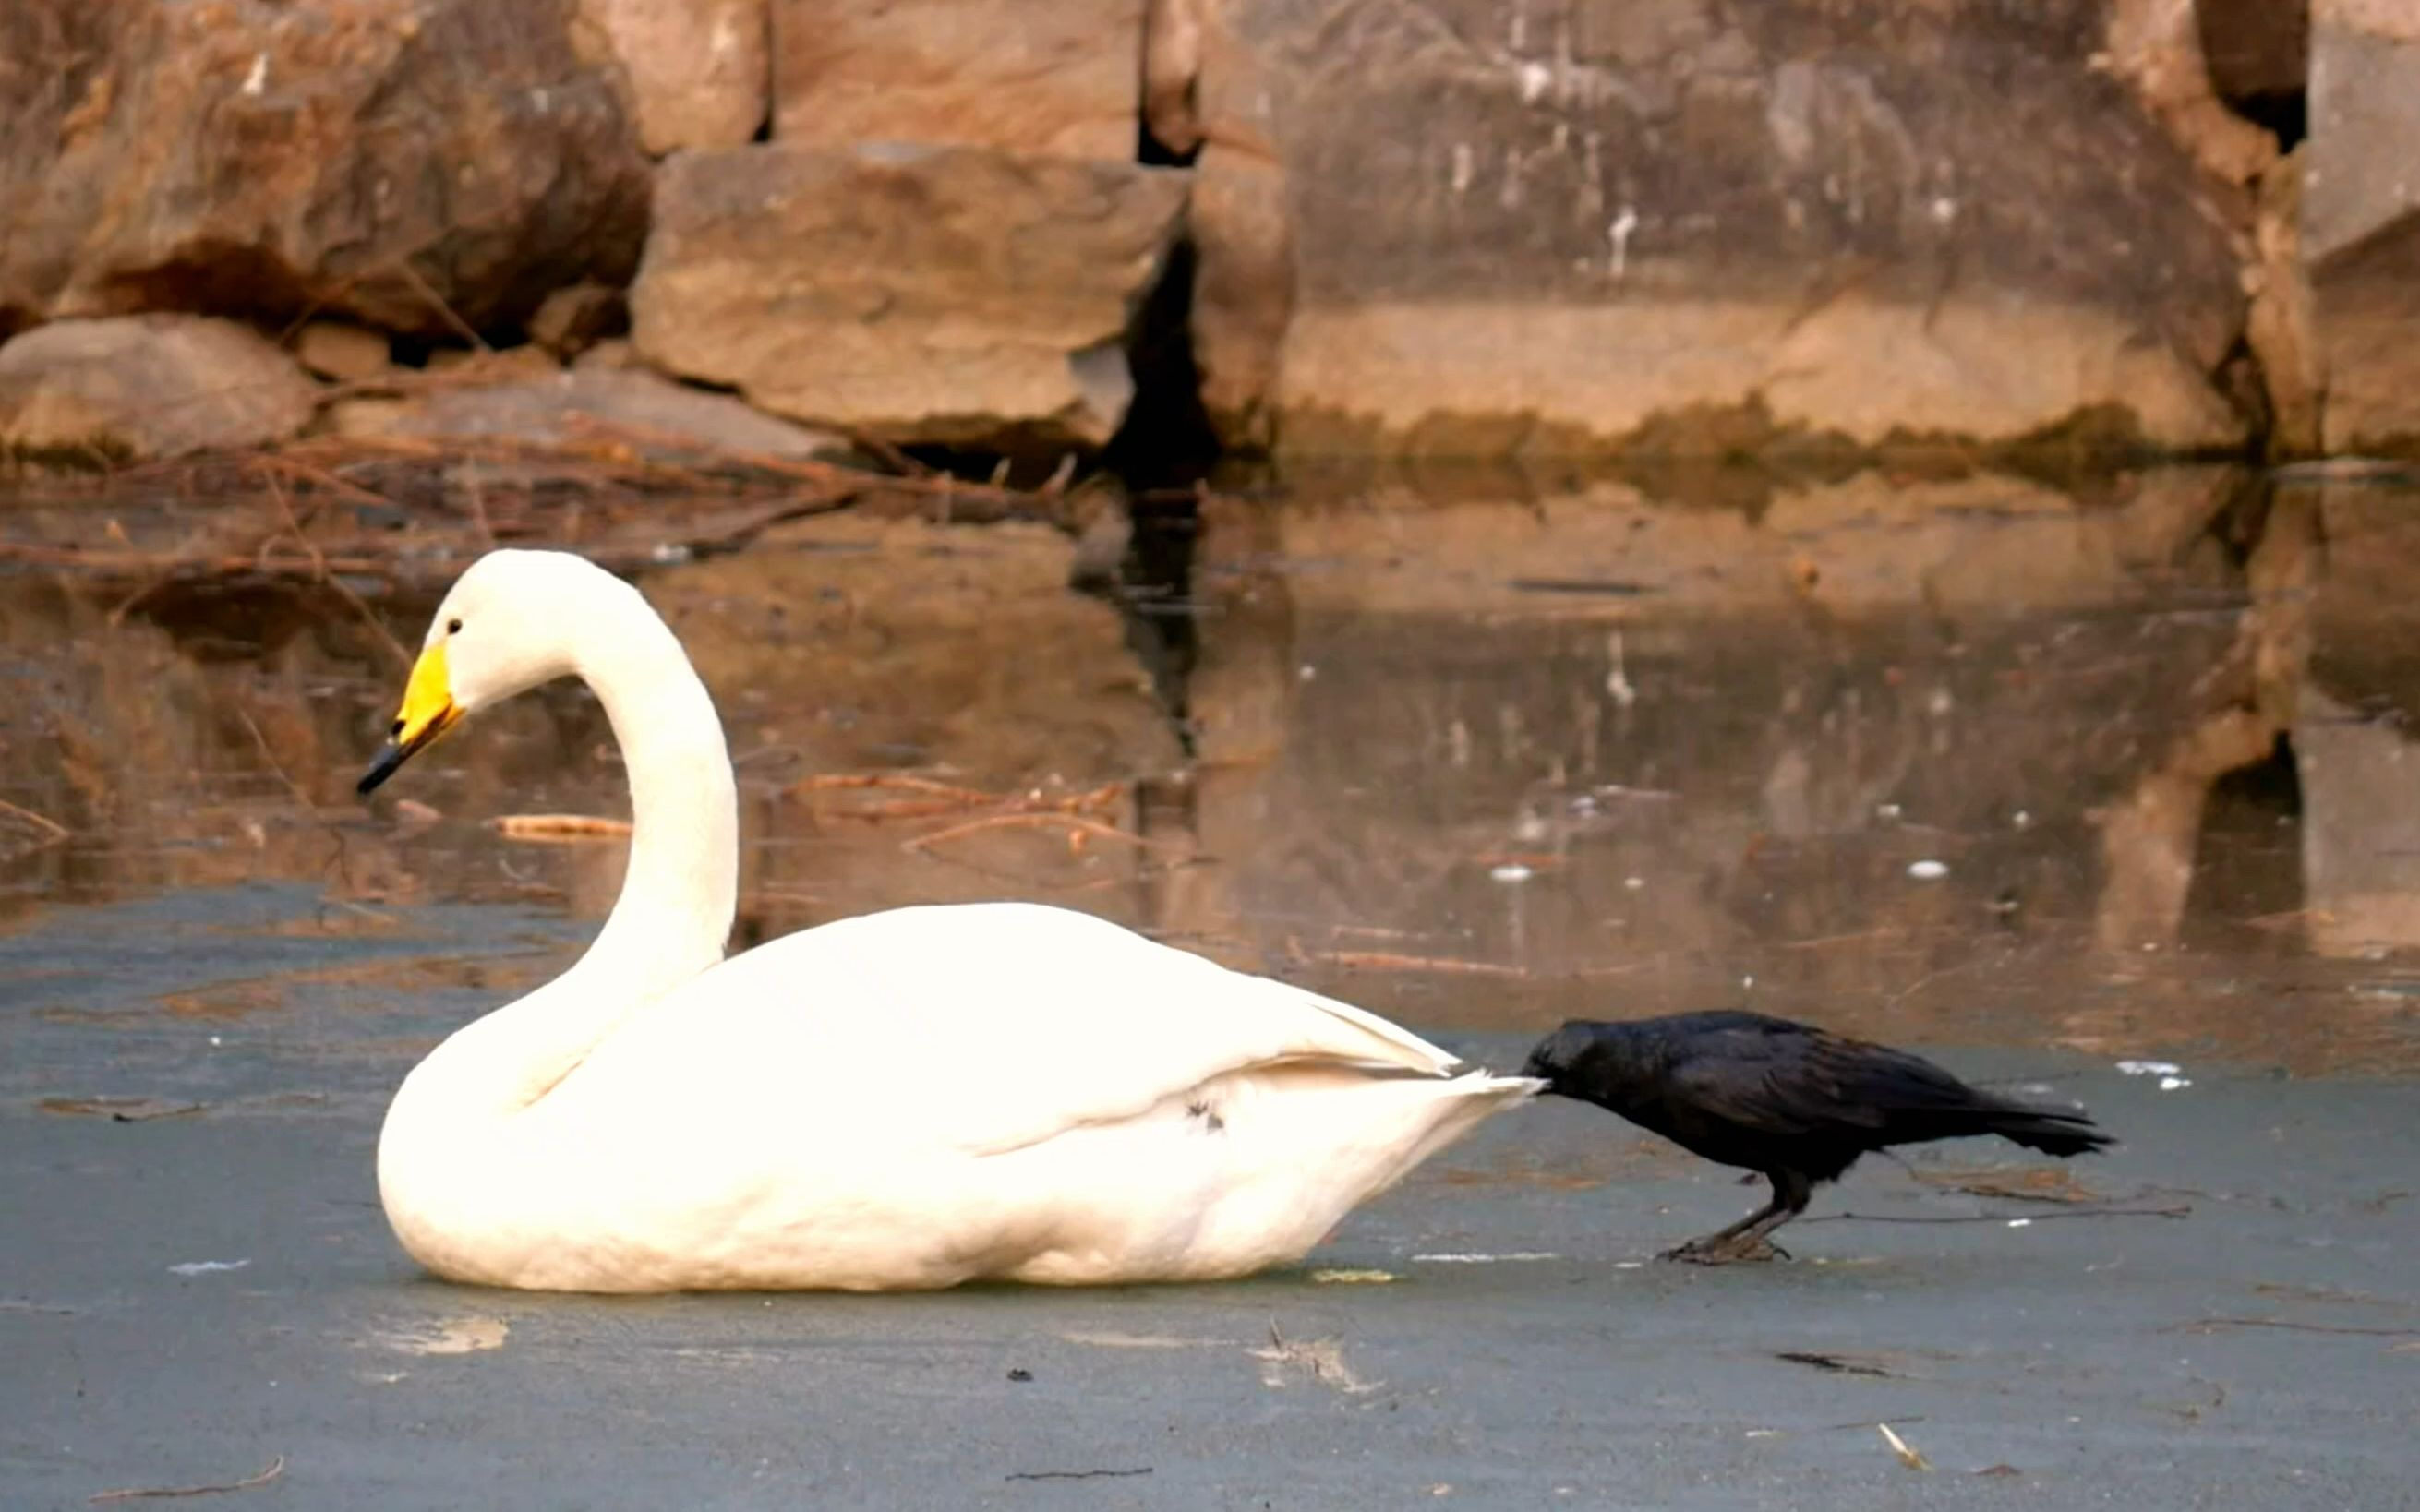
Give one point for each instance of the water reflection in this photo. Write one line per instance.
(1940, 759)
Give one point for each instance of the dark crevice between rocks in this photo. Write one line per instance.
(217, 278)
(2239, 522)
(1161, 457)
(2283, 114)
(2251, 813)
(2258, 56)
(1152, 153)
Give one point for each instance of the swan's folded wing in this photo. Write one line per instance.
(981, 1028)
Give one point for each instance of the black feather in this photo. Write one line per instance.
(1785, 1099)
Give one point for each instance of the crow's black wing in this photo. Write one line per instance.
(1772, 1076)
(1786, 1078)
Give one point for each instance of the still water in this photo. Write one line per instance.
(2122, 769)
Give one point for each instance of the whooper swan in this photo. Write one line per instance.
(908, 1099)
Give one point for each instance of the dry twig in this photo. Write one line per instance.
(1075, 826)
(277, 1468)
(560, 827)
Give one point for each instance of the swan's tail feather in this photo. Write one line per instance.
(1371, 1134)
(1390, 1044)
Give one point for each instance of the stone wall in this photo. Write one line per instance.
(1465, 228)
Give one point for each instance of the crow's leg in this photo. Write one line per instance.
(1746, 1240)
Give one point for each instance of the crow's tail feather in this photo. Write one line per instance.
(2053, 1134)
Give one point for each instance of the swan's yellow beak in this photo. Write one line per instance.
(428, 710)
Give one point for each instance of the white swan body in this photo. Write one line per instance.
(908, 1099)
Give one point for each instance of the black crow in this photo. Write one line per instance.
(1785, 1099)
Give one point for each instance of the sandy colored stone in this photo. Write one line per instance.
(1060, 78)
(365, 419)
(1243, 289)
(506, 365)
(635, 407)
(922, 294)
(1514, 375)
(1508, 231)
(2361, 221)
(2281, 329)
(340, 352)
(407, 163)
(571, 321)
(699, 68)
(606, 356)
(2156, 46)
(148, 386)
(1172, 69)
(2394, 21)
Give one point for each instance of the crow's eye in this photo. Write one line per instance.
(453, 626)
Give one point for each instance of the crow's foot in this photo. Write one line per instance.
(1727, 1251)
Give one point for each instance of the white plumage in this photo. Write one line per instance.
(907, 1098)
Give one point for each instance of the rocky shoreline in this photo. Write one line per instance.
(1590, 229)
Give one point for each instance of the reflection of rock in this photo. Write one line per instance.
(147, 386)
(872, 646)
(174, 757)
(2247, 699)
(1823, 215)
(2361, 830)
(926, 646)
(2352, 745)
(630, 408)
(1665, 746)
(1060, 78)
(2366, 619)
(950, 294)
(2361, 218)
(385, 159)
(1972, 547)
(1240, 700)
(697, 67)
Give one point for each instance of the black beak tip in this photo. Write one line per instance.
(389, 756)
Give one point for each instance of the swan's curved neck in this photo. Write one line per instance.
(678, 894)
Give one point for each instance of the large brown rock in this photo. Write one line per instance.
(643, 410)
(698, 67)
(949, 295)
(409, 162)
(147, 386)
(2281, 329)
(2156, 46)
(2361, 219)
(1062, 78)
(1506, 231)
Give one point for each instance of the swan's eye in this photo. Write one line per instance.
(453, 626)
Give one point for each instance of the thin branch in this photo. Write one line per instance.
(52, 831)
(1390, 961)
(1073, 824)
(2180, 1210)
(437, 302)
(277, 1468)
(319, 567)
(2212, 1325)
